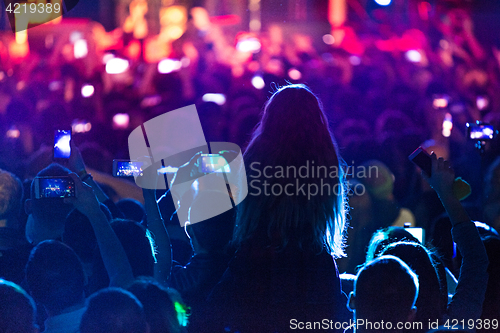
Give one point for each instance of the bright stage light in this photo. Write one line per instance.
(116, 66)
(294, 74)
(413, 56)
(248, 45)
(169, 65)
(328, 39)
(447, 125)
(121, 121)
(383, 2)
(258, 82)
(87, 90)
(218, 99)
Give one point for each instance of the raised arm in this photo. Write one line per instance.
(469, 295)
(77, 165)
(160, 235)
(113, 255)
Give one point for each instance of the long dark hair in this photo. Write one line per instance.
(294, 133)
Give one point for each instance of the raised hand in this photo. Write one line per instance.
(85, 200)
(443, 176)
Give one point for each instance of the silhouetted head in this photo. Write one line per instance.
(17, 309)
(11, 194)
(131, 209)
(55, 277)
(113, 310)
(385, 289)
(383, 237)
(430, 301)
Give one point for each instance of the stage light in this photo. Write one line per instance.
(355, 60)
(218, 99)
(116, 66)
(185, 62)
(258, 82)
(413, 56)
(169, 65)
(383, 2)
(121, 121)
(55, 85)
(80, 49)
(87, 90)
(80, 126)
(328, 39)
(13, 133)
(75, 36)
(294, 74)
(107, 57)
(248, 45)
(440, 102)
(150, 101)
(447, 125)
(482, 102)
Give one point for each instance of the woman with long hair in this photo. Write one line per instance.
(291, 225)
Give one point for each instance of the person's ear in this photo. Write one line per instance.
(351, 304)
(28, 206)
(413, 314)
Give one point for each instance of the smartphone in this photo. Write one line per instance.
(418, 233)
(54, 187)
(422, 159)
(125, 168)
(480, 131)
(209, 163)
(62, 148)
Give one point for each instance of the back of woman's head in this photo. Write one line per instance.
(297, 191)
(419, 259)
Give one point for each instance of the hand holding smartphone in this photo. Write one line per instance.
(422, 159)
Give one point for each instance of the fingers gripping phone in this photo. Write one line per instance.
(54, 187)
(423, 160)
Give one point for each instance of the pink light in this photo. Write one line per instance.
(294, 74)
(121, 121)
(169, 65)
(116, 66)
(248, 45)
(13, 133)
(447, 125)
(258, 82)
(87, 90)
